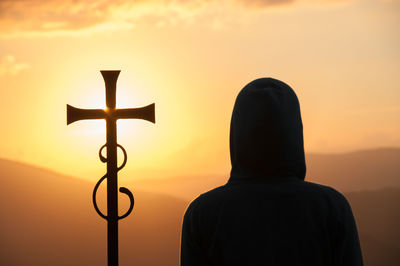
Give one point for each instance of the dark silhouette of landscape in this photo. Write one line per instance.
(48, 218)
(347, 172)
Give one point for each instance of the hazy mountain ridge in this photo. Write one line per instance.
(48, 219)
(354, 171)
(377, 214)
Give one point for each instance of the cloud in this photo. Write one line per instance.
(264, 3)
(8, 65)
(41, 17)
(33, 16)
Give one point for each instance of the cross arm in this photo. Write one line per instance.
(76, 114)
(146, 113)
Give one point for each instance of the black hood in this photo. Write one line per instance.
(266, 137)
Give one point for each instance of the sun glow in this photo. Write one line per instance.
(193, 72)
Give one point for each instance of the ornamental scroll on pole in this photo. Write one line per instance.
(111, 115)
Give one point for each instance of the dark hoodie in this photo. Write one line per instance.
(267, 214)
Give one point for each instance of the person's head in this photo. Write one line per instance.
(266, 136)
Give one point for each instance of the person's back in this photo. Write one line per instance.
(267, 214)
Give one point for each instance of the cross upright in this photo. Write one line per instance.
(111, 115)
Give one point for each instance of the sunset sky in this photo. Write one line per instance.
(342, 58)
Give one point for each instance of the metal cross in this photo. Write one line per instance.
(111, 115)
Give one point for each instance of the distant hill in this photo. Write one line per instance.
(48, 219)
(355, 171)
(377, 214)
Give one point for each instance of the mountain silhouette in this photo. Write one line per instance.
(48, 218)
(347, 172)
(377, 213)
(356, 171)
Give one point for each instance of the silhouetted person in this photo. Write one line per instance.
(267, 214)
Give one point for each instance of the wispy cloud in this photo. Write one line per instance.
(264, 3)
(9, 65)
(33, 17)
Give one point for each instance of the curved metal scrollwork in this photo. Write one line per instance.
(121, 189)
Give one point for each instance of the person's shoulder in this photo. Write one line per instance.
(204, 200)
(210, 195)
(326, 191)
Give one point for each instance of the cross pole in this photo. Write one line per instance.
(111, 115)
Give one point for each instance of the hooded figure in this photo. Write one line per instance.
(267, 214)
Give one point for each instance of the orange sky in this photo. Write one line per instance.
(191, 58)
